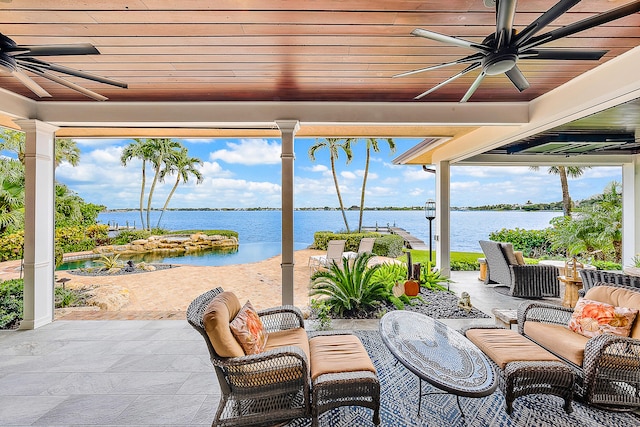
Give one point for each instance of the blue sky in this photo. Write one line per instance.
(241, 173)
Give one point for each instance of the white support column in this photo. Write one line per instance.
(39, 234)
(288, 129)
(630, 210)
(443, 218)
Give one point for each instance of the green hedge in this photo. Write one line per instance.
(532, 243)
(11, 246)
(11, 303)
(390, 245)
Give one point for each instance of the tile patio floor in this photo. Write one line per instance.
(133, 372)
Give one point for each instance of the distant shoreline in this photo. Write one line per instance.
(388, 208)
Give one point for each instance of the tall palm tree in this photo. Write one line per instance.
(66, 149)
(371, 144)
(183, 166)
(138, 150)
(565, 172)
(164, 151)
(334, 145)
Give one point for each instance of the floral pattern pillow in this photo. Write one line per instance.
(591, 318)
(248, 330)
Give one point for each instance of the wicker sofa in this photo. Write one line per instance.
(591, 277)
(607, 366)
(524, 281)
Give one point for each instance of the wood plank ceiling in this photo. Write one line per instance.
(265, 50)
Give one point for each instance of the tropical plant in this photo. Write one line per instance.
(371, 144)
(183, 167)
(110, 262)
(565, 172)
(138, 150)
(66, 297)
(334, 145)
(349, 289)
(11, 195)
(390, 274)
(66, 150)
(322, 312)
(11, 303)
(431, 278)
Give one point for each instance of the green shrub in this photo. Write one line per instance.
(66, 297)
(606, 265)
(532, 243)
(431, 278)
(128, 236)
(11, 303)
(11, 246)
(226, 233)
(390, 245)
(349, 289)
(352, 240)
(74, 239)
(465, 265)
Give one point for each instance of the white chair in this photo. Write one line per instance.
(335, 248)
(366, 245)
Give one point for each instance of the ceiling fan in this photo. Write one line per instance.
(499, 52)
(17, 59)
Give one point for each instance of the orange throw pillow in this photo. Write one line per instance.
(248, 330)
(591, 318)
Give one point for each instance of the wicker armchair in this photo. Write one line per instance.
(524, 281)
(260, 389)
(609, 375)
(591, 277)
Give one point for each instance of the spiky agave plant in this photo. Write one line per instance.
(349, 288)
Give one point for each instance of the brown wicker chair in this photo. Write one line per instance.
(260, 389)
(524, 281)
(609, 375)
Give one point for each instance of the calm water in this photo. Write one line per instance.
(260, 231)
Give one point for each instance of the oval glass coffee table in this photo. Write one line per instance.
(438, 354)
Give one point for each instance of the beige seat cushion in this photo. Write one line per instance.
(504, 346)
(617, 297)
(510, 255)
(296, 337)
(221, 310)
(519, 257)
(333, 354)
(563, 341)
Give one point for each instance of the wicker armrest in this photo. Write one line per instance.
(534, 281)
(281, 318)
(610, 353)
(267, 369)
(542, 312)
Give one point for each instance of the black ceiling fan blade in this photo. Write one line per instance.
(543, 20)
(505, 11)
(564, 54)
(29, 83)
(60, 80)
(54, 50)
(476, 57)
(517, 78)
(72, 72)
(474, 86)
(450, 40)
(583, 25)
(449, 80)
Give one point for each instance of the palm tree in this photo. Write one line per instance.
(372, 144)
(164, 151)
(138, 150)
(334, 145)
(66, 149)
(183, 166)
(565, 172)
(11, 195)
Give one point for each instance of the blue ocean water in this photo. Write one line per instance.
(260, 231)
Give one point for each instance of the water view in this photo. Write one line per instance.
(260, 231)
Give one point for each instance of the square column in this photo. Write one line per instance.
(39, 227)
(443, 217)
(288, 129)
(630, 210)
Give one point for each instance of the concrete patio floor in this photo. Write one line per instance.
(135, 372)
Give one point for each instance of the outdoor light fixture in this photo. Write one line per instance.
(430, 214)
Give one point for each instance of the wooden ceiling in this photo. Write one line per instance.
(282, 50)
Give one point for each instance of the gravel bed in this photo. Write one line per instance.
(123, 271)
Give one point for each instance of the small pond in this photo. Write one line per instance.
(245, 253)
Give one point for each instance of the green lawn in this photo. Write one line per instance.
(456, 257)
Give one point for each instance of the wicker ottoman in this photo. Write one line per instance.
(342, 375)
(524, 367)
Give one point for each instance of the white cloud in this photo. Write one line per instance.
(317, 168)
(348, 175)
(213, 169)
(249, 152)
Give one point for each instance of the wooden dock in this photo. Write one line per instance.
(410, 241)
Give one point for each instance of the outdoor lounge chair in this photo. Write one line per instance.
(524, 281)
(591, 277)
(365, 246)
(335, 249)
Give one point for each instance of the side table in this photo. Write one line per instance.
(505, 317)
(571, 287)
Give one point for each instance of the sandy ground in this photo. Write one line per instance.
(167, 293)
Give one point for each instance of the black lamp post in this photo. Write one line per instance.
(430, 214)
